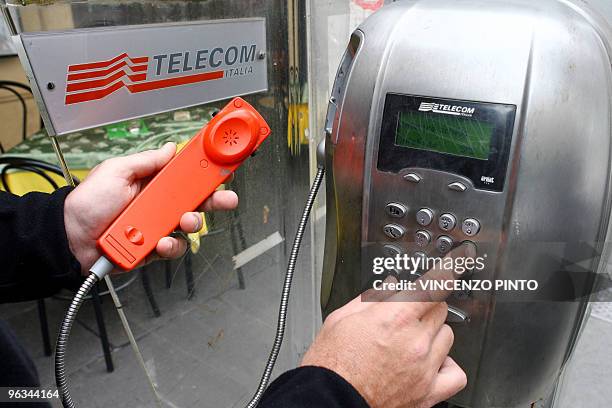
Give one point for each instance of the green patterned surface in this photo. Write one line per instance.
(86, 149)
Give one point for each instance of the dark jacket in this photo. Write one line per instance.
(36, 262)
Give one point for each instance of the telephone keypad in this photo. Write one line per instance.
(446, 222)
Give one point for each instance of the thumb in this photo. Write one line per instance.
(148, 163)
(450, 380)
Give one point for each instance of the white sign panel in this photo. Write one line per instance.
(92, 77)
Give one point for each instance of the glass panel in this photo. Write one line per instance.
(330, 26)
(48, 15)
(205, 323)
(6, 45)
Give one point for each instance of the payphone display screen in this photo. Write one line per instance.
(468, 138)
(444, 134)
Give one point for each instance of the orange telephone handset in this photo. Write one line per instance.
(206, 162)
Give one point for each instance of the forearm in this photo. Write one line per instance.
(35, 257)
(310, 387)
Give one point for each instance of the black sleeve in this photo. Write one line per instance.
(310, 387)
(35, 259)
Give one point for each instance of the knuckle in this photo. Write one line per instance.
(419, 348)
(441, 310)
(404, 317)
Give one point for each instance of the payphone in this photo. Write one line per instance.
(482, 121)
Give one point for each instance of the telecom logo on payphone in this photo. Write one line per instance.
(454, 110)
(96, 80)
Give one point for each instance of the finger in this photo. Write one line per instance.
(191, 222)
(434, 319)
(450, 380)
(220, 200)
(171, 248)
(441, 345)
(440, 273)
(423, 299)
(354, 306)
(148, 163)
(365, 300)
(373, 295)
(360, 303)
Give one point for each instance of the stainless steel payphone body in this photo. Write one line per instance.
(486, 121)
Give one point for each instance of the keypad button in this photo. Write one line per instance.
(396, 210)
(447, 222)
(422, 259)
(392, 251)
(470, 227)
(457, 186)
(418, 265)
(424, 217)
(413, 178)
(394, 231)
(456, 315)
(422, 238)
(444, 244)
(134, 235)
(419, 254)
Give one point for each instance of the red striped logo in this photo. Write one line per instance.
(96, 80)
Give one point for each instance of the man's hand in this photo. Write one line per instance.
(393, 351)
(108, 190)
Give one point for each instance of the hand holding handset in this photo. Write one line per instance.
(206, 162)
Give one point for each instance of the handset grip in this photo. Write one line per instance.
(206, 162)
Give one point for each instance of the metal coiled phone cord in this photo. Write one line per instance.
(61, 379)
(284, 303)
(102, 267)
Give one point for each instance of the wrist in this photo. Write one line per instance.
(81, 245)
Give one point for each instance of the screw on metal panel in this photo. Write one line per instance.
(50, 86)
(261, 55)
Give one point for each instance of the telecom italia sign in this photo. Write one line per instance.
(96, 80)
(92, 77)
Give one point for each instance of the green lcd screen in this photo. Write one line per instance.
(458, 136)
